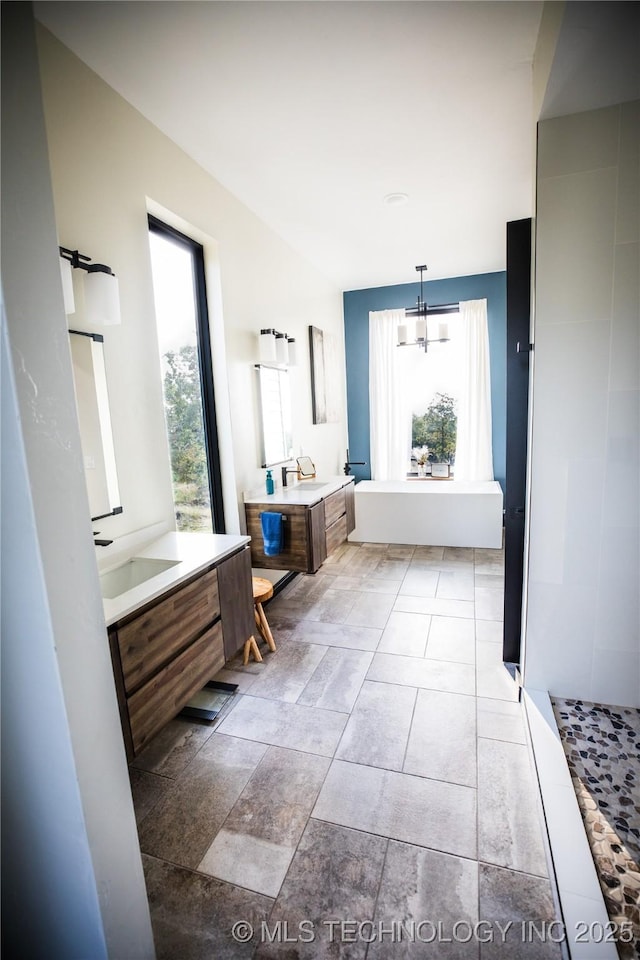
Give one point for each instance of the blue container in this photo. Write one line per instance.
(270, 483)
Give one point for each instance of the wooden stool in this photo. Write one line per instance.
(263, 591)
(250, 646)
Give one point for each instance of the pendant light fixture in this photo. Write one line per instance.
(421, 312)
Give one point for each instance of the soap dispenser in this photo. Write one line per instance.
(270, 483)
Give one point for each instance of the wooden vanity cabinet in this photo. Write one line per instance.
(335, 517)
(159, 633)
(350, 505)
(165, 693)
(234, 583)
(165, 652)
(309, 534)
(302, 536)
(317, 536)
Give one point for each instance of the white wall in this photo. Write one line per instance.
(583, 618)
(109, 165)
(44, 834)
(72, 873)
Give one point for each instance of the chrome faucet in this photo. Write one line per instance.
(285, 471)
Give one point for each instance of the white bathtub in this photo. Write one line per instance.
(437, 512)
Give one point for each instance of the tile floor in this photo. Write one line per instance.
(369, 793)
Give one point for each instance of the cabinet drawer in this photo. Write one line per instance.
(162, 697)
(334, 507)
(336, 534)
(153, 638)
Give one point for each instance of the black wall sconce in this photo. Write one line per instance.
(101, 293)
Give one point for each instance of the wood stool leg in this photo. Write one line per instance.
(259, 623)
(251, 646)
(265, 629)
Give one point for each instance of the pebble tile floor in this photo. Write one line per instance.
(369, 793)
(602, 746)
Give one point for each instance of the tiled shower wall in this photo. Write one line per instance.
(583, 620)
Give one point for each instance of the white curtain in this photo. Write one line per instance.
(389, 408)
(474, 454)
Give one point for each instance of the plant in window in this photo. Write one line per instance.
(419, 457)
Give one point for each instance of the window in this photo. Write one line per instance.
(434, 379)
(182, 321)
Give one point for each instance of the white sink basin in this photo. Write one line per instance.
(306, 485)
(131, 574)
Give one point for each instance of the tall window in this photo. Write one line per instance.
(183, 334)
(434, 380)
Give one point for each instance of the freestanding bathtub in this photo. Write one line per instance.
(437, 512)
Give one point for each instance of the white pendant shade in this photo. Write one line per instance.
(282, 349)
(402, 333)
(67, 286)
(276, 347)
(102, 300)
(421, 328)
(267, 346)
(443, 331)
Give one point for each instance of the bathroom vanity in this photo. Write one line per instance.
(171, 633)
(318, 517)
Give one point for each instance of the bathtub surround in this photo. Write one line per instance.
(358, 304)
(429, 512)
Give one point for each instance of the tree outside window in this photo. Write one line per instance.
(183, 412)
(436, 429)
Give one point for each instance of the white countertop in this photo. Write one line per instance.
(193, 551)
(304, 492)
(421, 485)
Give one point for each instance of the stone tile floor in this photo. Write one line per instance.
(369, 793)
(602, 746)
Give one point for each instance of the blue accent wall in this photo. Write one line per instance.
(358, 303)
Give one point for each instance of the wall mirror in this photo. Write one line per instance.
(275, 414)
(94, 417)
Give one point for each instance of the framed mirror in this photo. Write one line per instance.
(275, 414)
(94, 417)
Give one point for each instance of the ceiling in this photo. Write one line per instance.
(312, 112)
